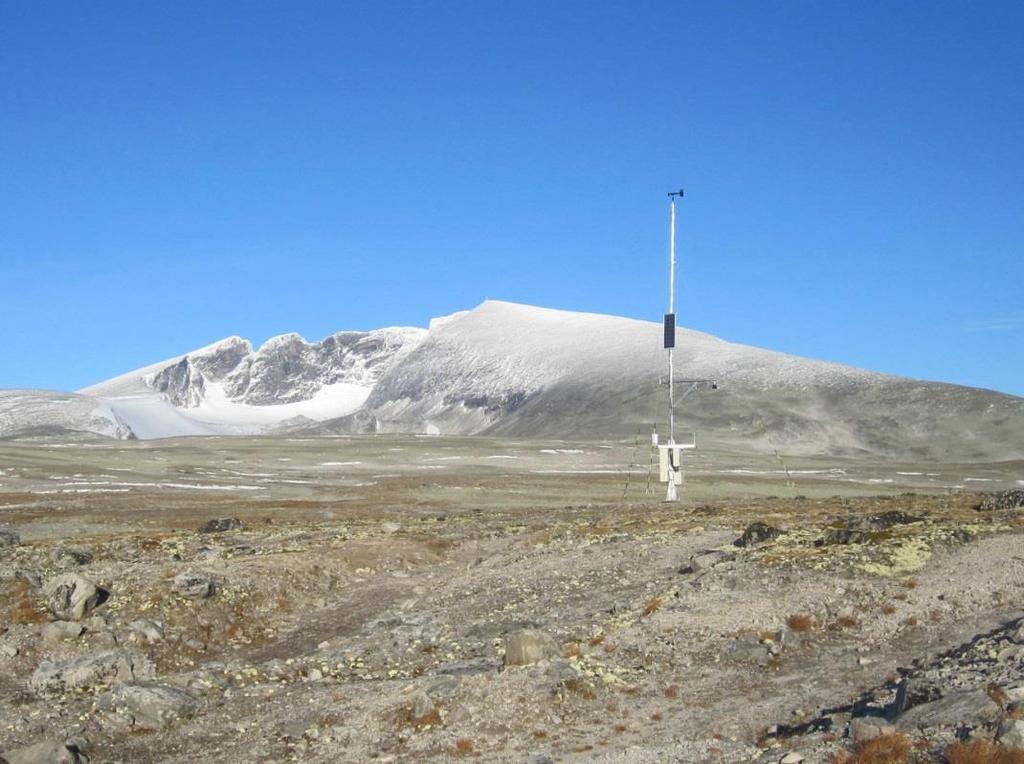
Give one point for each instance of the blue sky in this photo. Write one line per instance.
(173, 173)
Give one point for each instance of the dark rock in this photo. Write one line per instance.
(893, 517)
(9, 539)
(73, 556)
(1013, 499)
(222, 524)
(843, 536)
(757, 533)
(193, 586)
(181, 383)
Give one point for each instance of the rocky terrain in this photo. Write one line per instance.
(417, 599)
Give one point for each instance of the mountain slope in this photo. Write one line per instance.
(517, 370)
(44, 413)
(508, 369)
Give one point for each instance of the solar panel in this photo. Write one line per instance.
(670, 330)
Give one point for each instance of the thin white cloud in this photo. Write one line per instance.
(1001, 324)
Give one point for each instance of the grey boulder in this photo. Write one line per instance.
(193, 586)
(71, 597)
(149, 705)
(527, 646)
(47, 752)
(87, 671)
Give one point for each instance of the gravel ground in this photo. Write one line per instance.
(341, 621)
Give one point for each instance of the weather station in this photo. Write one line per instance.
(670, 453)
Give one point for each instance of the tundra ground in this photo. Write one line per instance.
(362, 607)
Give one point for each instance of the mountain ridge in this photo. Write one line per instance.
(510, 369)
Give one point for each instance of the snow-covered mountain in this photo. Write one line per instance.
(508, 369)
(229, 388)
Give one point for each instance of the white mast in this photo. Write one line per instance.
(671, 312)
(671, 493)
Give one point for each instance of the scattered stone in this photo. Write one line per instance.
(745, 651)
(8, 651)
(703, 561)
(90, 670)
(893, 517)
(843, 537)
(422, 709)
(757, 533)
(866, 728)
(1011, 733)
(60, 630)
(970, 707)
(539, 758)
(193, 586)
(150, 705)
(9, 539)
(48, 752)
(221, 525)
(145, 631)
(70, 597)
(30, 577)
(390, 527)
(210, 553)
(791, 758)
(527, 646)
(72, 556)
(443, 686)
(1013, 499)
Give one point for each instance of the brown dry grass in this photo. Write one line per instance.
(463, 746)
(800, 623)
(652, 606)
(24, 610)
(885, 749)
(980, 751)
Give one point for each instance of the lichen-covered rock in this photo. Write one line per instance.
(969, 706)
(865, 728)
(757, 533)
(221, 525)
(9, 539)
(1012, 499)
(193, 586)
(70, 597)
(60, 630)
(149, 705)
(527, 646)
(90, 671)
(1011, 733)
(47, 752)
(145, 631)
(703, 561)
